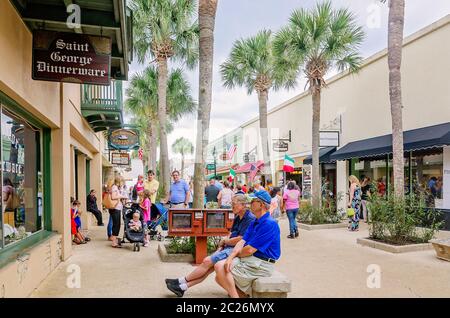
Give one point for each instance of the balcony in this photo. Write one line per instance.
(102, 106)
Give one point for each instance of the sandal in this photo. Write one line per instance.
(87, 239)
(117, 246)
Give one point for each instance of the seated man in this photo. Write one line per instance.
(241, 222)
(254, 256)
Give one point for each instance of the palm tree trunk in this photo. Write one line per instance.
(162, 119)
(182, 165)
(262, 98)
(206, 17)
(316, 184)
(154, 145)
(395, 43)
(150, 146)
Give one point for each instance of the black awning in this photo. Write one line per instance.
(417, 139)
(324, 156)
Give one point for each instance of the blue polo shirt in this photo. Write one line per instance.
(178, 191)
(240, 226)
(264, 235)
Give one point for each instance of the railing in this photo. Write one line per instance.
(102, 98)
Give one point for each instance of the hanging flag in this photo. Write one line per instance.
(232, 174)
(288, 164)
(253, 171)
(231, 150)
(141, 153)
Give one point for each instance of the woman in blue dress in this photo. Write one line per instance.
(354, 202)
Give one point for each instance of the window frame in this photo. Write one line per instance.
(45, 167)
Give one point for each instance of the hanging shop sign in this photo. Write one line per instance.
(329, 139)
(120, 158)
(280, 145)
(210, 166)
(124, 139)
(249, 158)
(71, 57)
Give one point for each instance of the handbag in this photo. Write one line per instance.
(108, 202)
(350, 212)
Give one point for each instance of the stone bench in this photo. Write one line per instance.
(442, 248)
(275, 286)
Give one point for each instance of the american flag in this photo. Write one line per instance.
(231, 150)
(253, 171)
(141, 153)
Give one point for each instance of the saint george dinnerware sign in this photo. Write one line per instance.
(71, 57)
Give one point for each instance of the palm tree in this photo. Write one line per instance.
(395, 45)
(142, 102)
(183, 147)
(314, 43)
(252, 64)
(163, 31)
(206, 17)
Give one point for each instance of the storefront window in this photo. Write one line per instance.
(22, 186)
(380, 173)
(427, 177)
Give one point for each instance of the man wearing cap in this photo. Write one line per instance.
(255, 255)
(240, 224)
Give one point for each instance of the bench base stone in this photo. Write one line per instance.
(275, 286)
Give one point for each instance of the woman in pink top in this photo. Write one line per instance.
(146, 205)
(291, 198)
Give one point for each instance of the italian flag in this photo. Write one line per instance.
(232, 174)
(288, 164)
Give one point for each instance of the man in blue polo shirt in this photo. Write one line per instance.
(243, 218)
(179, 192)
(255, 255)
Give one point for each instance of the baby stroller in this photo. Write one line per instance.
(158, 217)
(132, 236)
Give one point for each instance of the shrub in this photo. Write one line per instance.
(212, 205)
(186, 245)
(402, 221)
(327, 213)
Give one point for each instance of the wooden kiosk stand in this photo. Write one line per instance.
(200, 223)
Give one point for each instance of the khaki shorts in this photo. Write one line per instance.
(246, 270)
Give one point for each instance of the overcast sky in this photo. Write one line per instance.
(243, 18)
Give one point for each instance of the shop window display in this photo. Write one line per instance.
(427, 177)
(424, 177)
(22, 187)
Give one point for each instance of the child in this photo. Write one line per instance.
(146, 205)
(135, 224)
(76, 223)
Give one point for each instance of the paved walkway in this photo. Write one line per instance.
(323, 263)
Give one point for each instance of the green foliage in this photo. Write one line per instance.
(212, 205)
(186, 245)
(165, 28)
(327, 213)
(181, 245)
(182, 146)
(402, 221)
(252, 64)
(317, 40)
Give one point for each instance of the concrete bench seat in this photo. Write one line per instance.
(275, 286)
